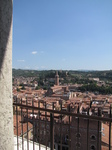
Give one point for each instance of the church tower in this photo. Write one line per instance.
(56, 78)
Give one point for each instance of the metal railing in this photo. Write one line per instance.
(59, 129)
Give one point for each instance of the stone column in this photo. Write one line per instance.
(6, 109)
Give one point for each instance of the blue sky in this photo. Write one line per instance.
(62, 34)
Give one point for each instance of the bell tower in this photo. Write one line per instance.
(56, 78)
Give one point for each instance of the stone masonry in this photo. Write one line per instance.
(6, 109)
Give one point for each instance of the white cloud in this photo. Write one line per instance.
(43, 67)
(36, 67)
(34, 52)
(27, 67)
(21, 60)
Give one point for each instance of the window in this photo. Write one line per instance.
(78, 135)
(78, 145)
(92, 147)
(47, 126)
(43, 125)
(93, 137)
(63, 129)
(47, 132)
(66, 139)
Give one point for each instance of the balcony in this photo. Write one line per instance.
(37, 127)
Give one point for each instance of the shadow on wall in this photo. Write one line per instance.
(5, 27)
